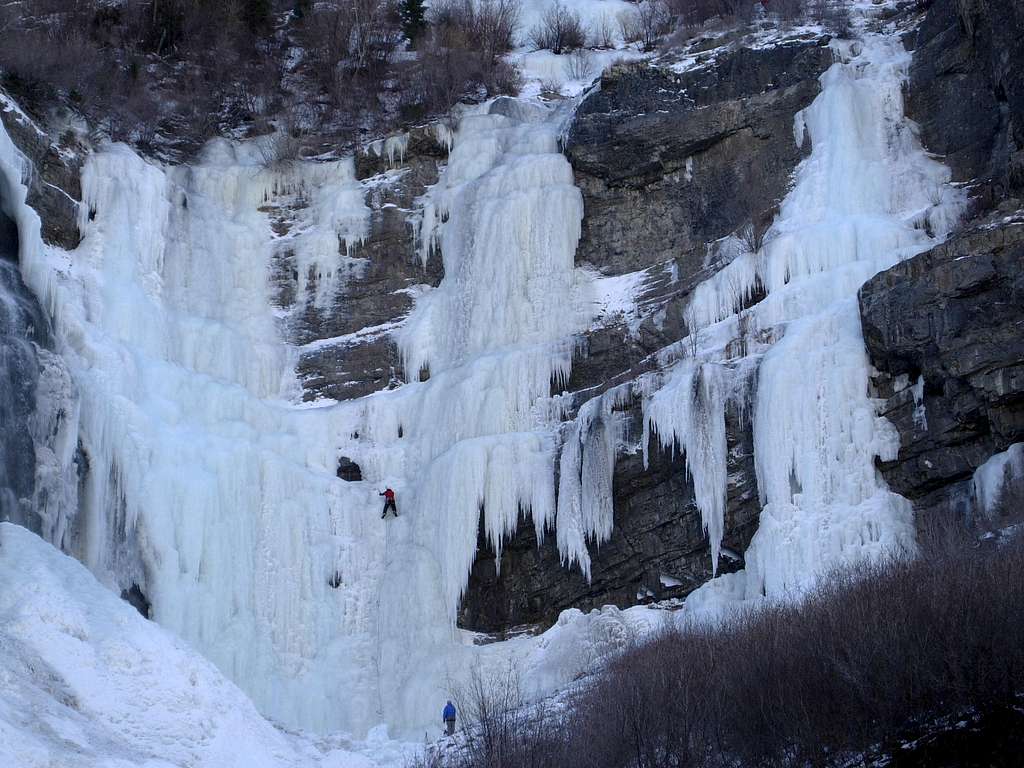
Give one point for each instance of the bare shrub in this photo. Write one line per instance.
(629, 26)
(654, 21)
(646, 24)
(601, 33)
(580, 65)
(869, 654)
(486, 26)
(559, 30)
(460, 55)
(499, 729)
(752, 237)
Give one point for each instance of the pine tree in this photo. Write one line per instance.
(413, 16)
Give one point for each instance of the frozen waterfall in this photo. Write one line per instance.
(865, 198)
(214, 488)
(209, 485)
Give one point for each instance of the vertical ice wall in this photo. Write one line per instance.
(214, 491)
(998, 481)
(477, 437)
(205, 485)
(866, 197)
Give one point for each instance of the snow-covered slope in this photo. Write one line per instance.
(85, 681)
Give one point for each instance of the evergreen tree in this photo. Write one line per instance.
(414, 19)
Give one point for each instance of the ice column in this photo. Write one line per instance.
(866, 197)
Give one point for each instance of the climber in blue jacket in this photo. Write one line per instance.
(448, 715)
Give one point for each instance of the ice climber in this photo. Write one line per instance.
(448, 715)
(389, 502)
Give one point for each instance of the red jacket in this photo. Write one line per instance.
(388, 494)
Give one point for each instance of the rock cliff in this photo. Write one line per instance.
(945, 330)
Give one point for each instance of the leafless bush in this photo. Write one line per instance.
(486, 26)
(560, 30)
(646, 24)
(460, 55)
(499, 729)
(580, 65)
(869, 653)
(752, 237)
(629, 26)
(602, 32)
(655, 20)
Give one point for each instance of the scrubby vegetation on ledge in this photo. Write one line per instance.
(166, 75)
(918, 660)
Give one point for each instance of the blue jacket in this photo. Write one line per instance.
(449, 712)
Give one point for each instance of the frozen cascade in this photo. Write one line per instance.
(38, 407)
(218, 493)
(204, 486)
(214, 491)
(586, 467)
(866, 197)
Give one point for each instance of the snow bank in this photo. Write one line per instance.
(86, 681)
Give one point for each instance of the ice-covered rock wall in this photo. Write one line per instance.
(213, 486)
(867, 197)
(38, 409)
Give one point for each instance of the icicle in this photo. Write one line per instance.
(689, 411)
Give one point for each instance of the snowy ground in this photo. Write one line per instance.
(86, 682)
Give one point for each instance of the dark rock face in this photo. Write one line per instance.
(348, 470)
(21, 322)
(967, 91)
(54, 187)
(658, 549)
(35, 399)
(951, 320)
(953, 316)
(669, 162)
(137, 599)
